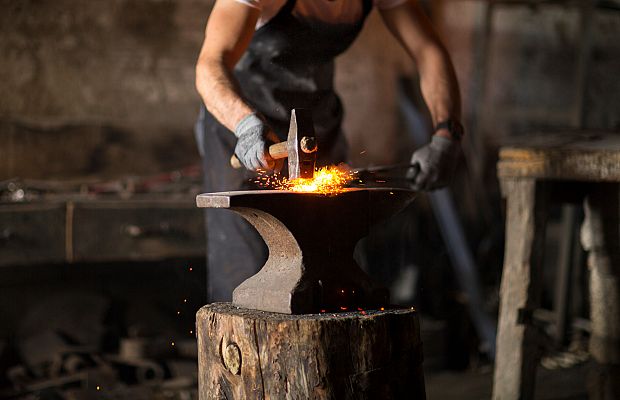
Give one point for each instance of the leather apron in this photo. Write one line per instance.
(288, 64)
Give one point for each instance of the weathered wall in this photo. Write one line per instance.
(366, 78)
(533, 69)
(118, 61)
(103, 86)
(533, 77)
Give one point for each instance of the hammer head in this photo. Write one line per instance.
(301, 145)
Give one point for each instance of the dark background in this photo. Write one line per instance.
(98, 167)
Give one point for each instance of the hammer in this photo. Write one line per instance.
(300, 146)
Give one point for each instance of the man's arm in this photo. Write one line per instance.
(436, 161)
(409, 24)
(228, 34)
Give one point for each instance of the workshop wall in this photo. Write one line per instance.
(366, 78)
(528, 68)
(98, 87)
(545, 67)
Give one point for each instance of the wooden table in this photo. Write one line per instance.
(542, 169)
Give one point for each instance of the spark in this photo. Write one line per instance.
(98, 387)
(327, 180)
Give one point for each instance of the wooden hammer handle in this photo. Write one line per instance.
(276, 151)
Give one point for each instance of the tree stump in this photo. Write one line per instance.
(249, 354)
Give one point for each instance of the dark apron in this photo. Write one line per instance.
(288, 64)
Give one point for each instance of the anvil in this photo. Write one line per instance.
(311, 238)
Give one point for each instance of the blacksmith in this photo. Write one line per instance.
(260, 59)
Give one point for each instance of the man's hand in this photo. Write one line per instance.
(254, 138)
(435, 163)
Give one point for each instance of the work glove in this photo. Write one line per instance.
(253, 140)
(434, 164)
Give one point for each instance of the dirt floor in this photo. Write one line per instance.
(558, 384)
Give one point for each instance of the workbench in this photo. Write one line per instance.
(77, 221)
(543, 169)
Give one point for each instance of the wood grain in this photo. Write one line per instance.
(570, 156)
(517, 339)
(376, 355)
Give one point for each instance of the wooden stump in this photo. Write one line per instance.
(249, 354)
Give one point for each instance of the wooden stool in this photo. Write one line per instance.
(558, 168)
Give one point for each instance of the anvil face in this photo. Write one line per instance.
(311, 238)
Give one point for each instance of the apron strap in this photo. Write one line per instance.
(287, 8)
(367, 6)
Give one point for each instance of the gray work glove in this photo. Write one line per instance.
(434, 163)
(253, 140)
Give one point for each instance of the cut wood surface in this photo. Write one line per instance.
(249, 354)
(569, 156)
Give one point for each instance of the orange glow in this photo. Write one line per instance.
(327, 180)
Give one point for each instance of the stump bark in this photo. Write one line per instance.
(249, 354)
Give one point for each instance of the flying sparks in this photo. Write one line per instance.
(327, 180)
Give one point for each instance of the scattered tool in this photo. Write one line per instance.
(300, 146)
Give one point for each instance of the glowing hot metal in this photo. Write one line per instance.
(330, 180)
